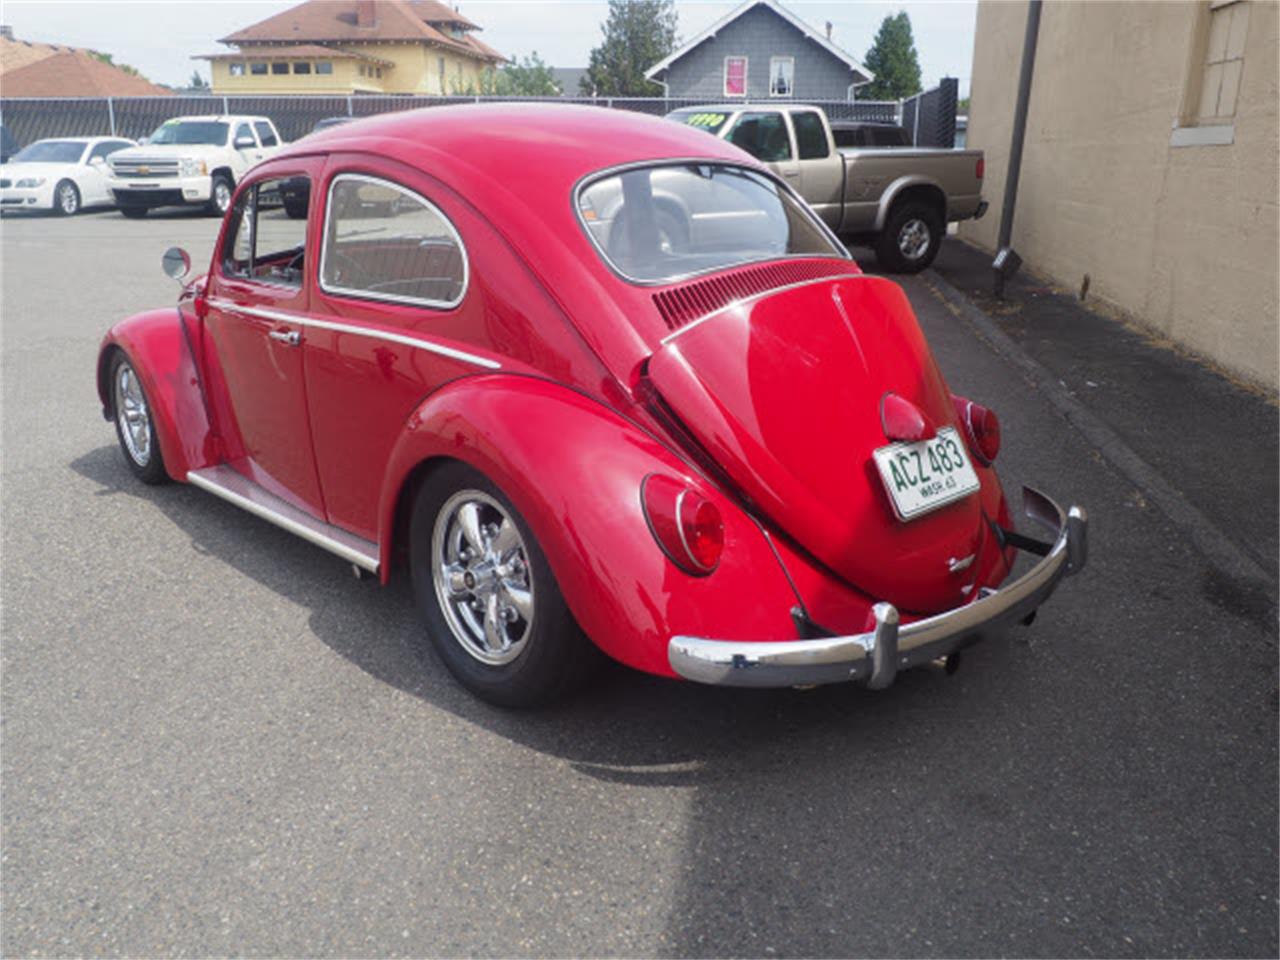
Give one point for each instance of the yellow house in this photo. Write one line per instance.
(355, 46)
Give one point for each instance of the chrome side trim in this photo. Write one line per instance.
(753, 298)
(280, 316)
(877, 656)
(238, 489)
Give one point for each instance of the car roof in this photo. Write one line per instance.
(735, 107)
(225, 117)
(506, 156)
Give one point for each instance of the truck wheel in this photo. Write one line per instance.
(911, 238)
(493, 611)
(134, 213)
(219, 195)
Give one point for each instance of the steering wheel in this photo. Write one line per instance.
(347, 263)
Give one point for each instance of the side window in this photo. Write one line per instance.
(384, 241)
(811, 138)
(266, 136)
(763, 135)
(105, 149)
(242, 130)
(269, 239)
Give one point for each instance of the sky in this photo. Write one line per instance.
(159, 37)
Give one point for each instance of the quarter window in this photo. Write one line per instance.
(811, 138)
(763, 135)
(385, 242)
(269, 240)
(782, 76)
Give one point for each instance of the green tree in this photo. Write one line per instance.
(197, 81)
(893, 60)
(637, 34)
(528, 77)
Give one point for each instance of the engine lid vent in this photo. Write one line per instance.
(684, 304)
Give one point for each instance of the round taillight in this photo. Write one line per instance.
(687, 525)
(980, 169)
(982, 427)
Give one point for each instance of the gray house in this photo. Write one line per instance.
(760, 51)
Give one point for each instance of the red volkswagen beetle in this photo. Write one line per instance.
(595, 380)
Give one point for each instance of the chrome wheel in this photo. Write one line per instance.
(68, 198)
(480, 568)
(221, 195)
(132, 415)
(913, 239)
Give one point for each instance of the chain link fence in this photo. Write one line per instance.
(295, 116)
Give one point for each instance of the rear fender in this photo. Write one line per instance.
(574, 468)
(156, 345)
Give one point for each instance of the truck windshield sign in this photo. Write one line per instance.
(710, 122)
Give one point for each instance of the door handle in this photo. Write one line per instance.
(290, 337)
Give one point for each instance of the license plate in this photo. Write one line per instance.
(926, 475)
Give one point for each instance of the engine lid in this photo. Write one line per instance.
(785, 392)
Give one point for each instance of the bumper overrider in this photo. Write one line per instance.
(876, 657)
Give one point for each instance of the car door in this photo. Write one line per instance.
(253, 340)
(94, 188)
(821, 167)
(245, 143)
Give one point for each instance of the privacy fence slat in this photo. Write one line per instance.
(295, 116)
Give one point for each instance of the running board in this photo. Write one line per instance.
(236, 488)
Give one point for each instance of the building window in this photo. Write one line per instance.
(279, 67)
(1223, 61)
(782, 76)
(440, 64)
(378, 72)
(258, 69)
(735, 76)
(301, 66)
(324, 66)
(236, 69)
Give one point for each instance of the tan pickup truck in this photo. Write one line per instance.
(897, 200)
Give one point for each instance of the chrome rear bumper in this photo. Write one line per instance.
(877, 656)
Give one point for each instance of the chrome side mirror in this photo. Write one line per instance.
(176, 263)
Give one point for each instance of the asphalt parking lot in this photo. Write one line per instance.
(216, 741)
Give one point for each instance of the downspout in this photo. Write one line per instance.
(1007, 262)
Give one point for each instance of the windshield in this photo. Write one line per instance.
(50, 151)
(709, 120)
(660, 224)
(191, 131)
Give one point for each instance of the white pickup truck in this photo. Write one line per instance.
(190, 160)
(896, 200)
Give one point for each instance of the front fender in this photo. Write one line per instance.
(156, 344)
(573, 468)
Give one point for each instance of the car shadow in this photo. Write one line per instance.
(626, 727)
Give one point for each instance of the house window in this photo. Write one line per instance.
(258, 69)
(782, 76)
(378, 73)
(1223, 61)
(735, 76)
(278, 68)
(237, 69)
(362, 69)
(324, 66)
(301, 66)
(440, 63)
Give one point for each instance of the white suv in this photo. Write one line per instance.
(191, 160)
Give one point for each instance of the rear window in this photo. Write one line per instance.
(664, 223)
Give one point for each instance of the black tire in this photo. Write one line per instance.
(911, 237)
(220, 191)
(134, 213)
(146, 464)
(66, 199)
(554, 655)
